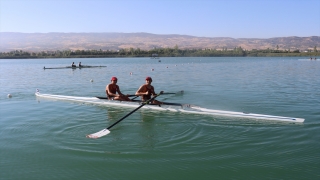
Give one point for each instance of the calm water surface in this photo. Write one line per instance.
(45, 139)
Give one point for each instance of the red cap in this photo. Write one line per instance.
(114, 79)
(149, 78)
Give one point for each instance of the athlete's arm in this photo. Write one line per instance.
(140, 91)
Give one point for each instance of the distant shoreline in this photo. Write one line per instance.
(71, 57)
(157, 53)
(306, 57)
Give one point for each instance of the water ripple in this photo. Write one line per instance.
(46, 139)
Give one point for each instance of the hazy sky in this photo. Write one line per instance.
(208, 18)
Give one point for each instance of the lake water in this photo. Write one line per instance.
(45, 139)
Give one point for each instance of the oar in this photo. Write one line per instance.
(177, 93)
(134, 98)
(162, 94)
(100, 97)
(107, 130)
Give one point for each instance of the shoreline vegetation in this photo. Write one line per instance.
(158, 52)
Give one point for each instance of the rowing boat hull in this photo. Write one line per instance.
(69, 67)
(184, 108)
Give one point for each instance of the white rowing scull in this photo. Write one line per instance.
(174, 107)
(74, 67)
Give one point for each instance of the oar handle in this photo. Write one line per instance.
(131, 95)
(134, 98)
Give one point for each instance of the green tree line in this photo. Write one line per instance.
(158, 52)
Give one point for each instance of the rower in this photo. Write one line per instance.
(80, 64)
(112, 89)
(73, 65)
(146, 90)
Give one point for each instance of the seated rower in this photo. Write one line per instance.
(112, 89)
(146, 90)
(80, 64)
(73, 65)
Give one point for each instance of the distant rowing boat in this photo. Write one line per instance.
(174, 107)
(309, 60)
(77, 67)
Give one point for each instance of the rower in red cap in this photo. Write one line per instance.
(146, 90)
(112, 89)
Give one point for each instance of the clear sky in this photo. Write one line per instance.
(203, 18)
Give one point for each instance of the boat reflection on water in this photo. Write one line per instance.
(148, 130)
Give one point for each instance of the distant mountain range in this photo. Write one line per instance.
(114, 41)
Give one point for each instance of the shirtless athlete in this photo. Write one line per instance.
(112, 89)
(146, 90)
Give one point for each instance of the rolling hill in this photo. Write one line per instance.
(114, 41)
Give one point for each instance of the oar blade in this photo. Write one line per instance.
(99, 134)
